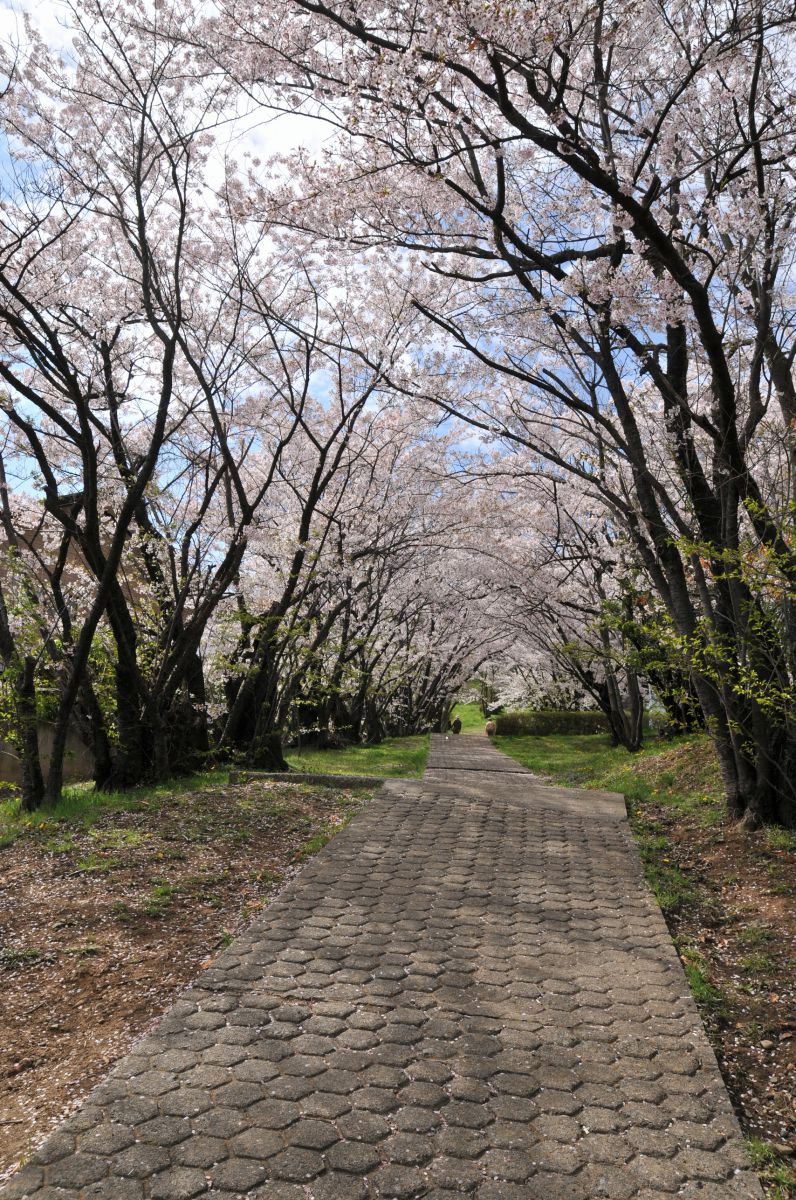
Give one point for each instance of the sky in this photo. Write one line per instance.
(262, 136)
(49, 15)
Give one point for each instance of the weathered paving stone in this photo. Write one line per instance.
(139, 1162)
(27, 1180)
(334, 1186)
(396, 1183)
(468, 993)
(355, 1157)
(106, 1139)
(59, 1146)
(76, 1171)
(455, 1174)
(363, 1127)
(238, 1175)
(200, 1152)
(179, 1183)
(296, 1164)
(164, 1131)
(114, 1189)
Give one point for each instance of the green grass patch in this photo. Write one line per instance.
(471, 717)
(779, 839)
(575, 760)
(61, 844)
(404, 757)
(756, 935)
(82, 807)
(23, 956)
(774, 1171)
(703, 991)
(118, 838)
(759, 964)
(92, 864)
(159, 899)
(267, 877)
(87, 949)
(671, 888)
(317, 842)
(348, 807)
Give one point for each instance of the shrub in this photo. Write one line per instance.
(546, 721)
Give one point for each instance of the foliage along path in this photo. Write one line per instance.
(470, 991)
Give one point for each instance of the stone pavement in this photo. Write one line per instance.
(468, 992)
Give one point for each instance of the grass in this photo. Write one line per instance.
(347, 807)
(92, 863)
(573, 760)
(471, 717)
(22, 956)
(759, 964)
(779, 1178)
(81, 806)
(779, 839)
(404, 756)
(703, 991)
(159, 899)
(121, 911)
(87, 949)
(756, 935)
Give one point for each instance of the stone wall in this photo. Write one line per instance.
(78, 762)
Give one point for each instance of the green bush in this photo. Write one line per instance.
(539, 724)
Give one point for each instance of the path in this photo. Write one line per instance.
(469, 992)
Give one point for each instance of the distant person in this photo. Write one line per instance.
(456, 727)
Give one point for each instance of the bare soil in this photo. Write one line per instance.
(740, 929)
(102, 924)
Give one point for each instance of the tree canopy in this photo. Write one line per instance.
(496, 365)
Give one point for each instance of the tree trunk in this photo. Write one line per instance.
(265, 753)
(27, 716)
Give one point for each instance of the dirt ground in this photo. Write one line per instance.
(737, 939)
(101, 925)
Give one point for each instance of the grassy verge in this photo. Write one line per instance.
(404, 756)
(777, 1177)
(581, 760)
(471, 717)
(80, 806)
(728, 900)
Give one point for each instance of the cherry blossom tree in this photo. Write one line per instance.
(181, 389)
(604, 198)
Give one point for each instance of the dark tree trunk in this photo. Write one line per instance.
(265, 753)
(27, 716)
(25, 709)
(91, 724)
(374, 727)
(130, 762)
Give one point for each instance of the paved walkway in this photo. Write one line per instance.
(469, 992)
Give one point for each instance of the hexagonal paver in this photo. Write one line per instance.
(468, 993)
(355, 1157)
(296, 1164)
(179, 1183)
(237, 1175)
